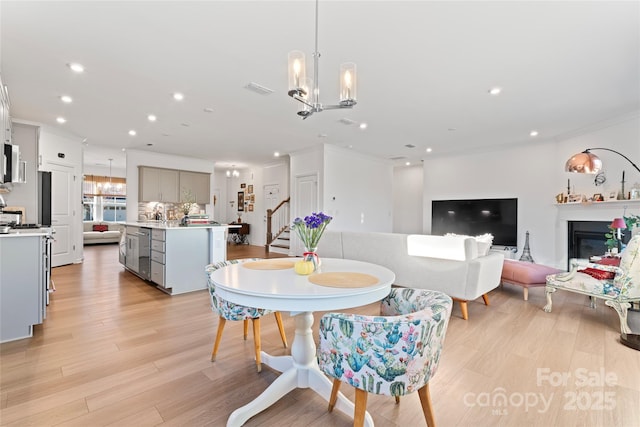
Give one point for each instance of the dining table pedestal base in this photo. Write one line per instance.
(300, 370)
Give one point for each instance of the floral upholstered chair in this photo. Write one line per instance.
(617, 285)
(230, 311)
(394, 354)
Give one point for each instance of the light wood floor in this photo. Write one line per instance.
(116, 351)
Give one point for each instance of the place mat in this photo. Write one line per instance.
(269, 264)
(344, 280)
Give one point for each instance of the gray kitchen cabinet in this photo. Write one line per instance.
(197, 184)
(24, 283)
(158, 185)
(158, 238)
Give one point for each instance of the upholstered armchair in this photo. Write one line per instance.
(618, 286)
(229, 311)
(393, 354)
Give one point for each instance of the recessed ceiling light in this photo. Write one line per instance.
(124, 149)
(66, 99)
(407, 164)
(152, 118)
(363, 126)
(61, 120)
(428, 150)
(533, 133)
(132, 132)
(495, 91)
(276, 154)
(78, 68)
(178, 96)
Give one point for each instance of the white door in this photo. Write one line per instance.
(271, 196)
(305, 203)
(62, 214)
(271, 199)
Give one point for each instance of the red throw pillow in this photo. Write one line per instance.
(100, 227)
(598, 274)
(609, 261)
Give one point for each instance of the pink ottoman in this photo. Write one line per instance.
(526, 274)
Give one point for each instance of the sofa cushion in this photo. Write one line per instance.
(100, 227)
(459, 248)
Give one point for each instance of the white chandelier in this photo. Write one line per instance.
(306, 90)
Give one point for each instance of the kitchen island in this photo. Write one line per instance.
(25, 271)
(173, 257)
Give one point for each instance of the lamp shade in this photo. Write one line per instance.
(348, 82)
(585, 162)
(618, 223)
(297, 71)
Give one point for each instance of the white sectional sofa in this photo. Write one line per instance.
(111, 235)
(450, 264)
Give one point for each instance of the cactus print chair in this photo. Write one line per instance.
(396, 353)
(229, 311)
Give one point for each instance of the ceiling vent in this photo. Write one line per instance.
(346, 121)
(410, 146)
(398, 158)
(255, 87)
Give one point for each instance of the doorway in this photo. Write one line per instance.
(305, 202)
(62, 214)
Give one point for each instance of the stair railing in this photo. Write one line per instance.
(277, 220)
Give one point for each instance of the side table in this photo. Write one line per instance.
(240, 235)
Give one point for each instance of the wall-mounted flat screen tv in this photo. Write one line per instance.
(477, 216)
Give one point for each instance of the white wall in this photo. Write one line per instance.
(535, 174)
(357, 190)
(137, 158)
(26, 194)
(104, 171)
(407, 199)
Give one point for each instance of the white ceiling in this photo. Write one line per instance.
(424, 71)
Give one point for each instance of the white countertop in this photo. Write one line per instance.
(175, 225)
(28, 232)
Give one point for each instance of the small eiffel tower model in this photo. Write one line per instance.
(526, 252)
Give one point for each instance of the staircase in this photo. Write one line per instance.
(278, 221)
(281, 244)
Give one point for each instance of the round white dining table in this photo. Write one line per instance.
(284, 290)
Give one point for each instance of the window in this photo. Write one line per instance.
(114, 208)
(104, 199)
(89, 208)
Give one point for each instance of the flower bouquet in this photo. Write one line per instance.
(310, 230)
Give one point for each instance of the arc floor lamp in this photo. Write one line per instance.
(587, 162)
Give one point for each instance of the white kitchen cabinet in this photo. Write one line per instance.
(197, 184)
(158, 185)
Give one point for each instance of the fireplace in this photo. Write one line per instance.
(586, 238)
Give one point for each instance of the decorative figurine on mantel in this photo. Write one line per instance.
(526, 252)
(621, 195)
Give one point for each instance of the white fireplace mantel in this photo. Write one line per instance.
(587, 211)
